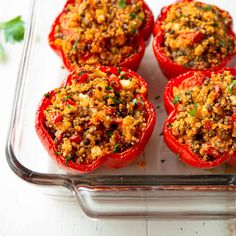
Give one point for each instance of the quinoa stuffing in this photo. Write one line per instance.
(197, 34)
(104, 114)
(99, 31)
(206, 115)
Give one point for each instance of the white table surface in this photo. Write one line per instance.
(25, 210)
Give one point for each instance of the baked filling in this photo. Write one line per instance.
(102, 115)
(196, 35)
(99, 31)
(206, 115)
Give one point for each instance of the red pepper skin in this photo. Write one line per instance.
(132, 62)
(183, 150)
(171, 69)
(113, 160)
(147, 28)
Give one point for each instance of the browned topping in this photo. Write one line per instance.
(99, 31)
(196, 35)
(100, 116)
(206, 118)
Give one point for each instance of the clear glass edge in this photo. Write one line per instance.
(98, 183)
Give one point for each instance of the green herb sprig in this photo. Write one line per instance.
(13, 31)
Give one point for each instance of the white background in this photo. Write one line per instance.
(26, 210)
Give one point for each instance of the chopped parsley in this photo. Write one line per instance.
(66, 98)
(108, 88)
(122, 76)
(222, 43)
(115, 100)
(132, 15)
(194, 110)
(231, 86)
(215, 24)
(106, 97)
(75, 44)
(47, 95)
(205, 8)
(58, 153)
(118, 70)
(109, 133)
(117, 94)
(186, 65)
(68, 158)
(133, 30)
(176, 99)
(116, 148)
(122, 4)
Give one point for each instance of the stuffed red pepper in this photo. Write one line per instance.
(100, 115)
(91, 32)
(191, 35)
(201, 127)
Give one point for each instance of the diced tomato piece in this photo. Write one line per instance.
(115, 83)
(194, 37)
(70, 102)
(111, 110)
(117, 121)
(56, 118)
(83, 77)
(208, 125)
(233, 117)
(75, 138)
(217, 90)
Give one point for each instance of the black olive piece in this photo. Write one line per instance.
(229, 113)
(206, 81)
(209, 107)
(225, 135)
(198, 137)
(210, 158)
(99, 88)
(180, 53)
(191, 63)
(196, 151)
(87, 141)
(212, 133)
(113, 126)
(217, 117)
(187, 92)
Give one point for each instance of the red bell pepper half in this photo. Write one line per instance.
(171, 69)
(183, 150)
(133, 61)
(113, 160)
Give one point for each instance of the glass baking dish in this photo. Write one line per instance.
(156, 185)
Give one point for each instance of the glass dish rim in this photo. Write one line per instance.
(94, 182)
